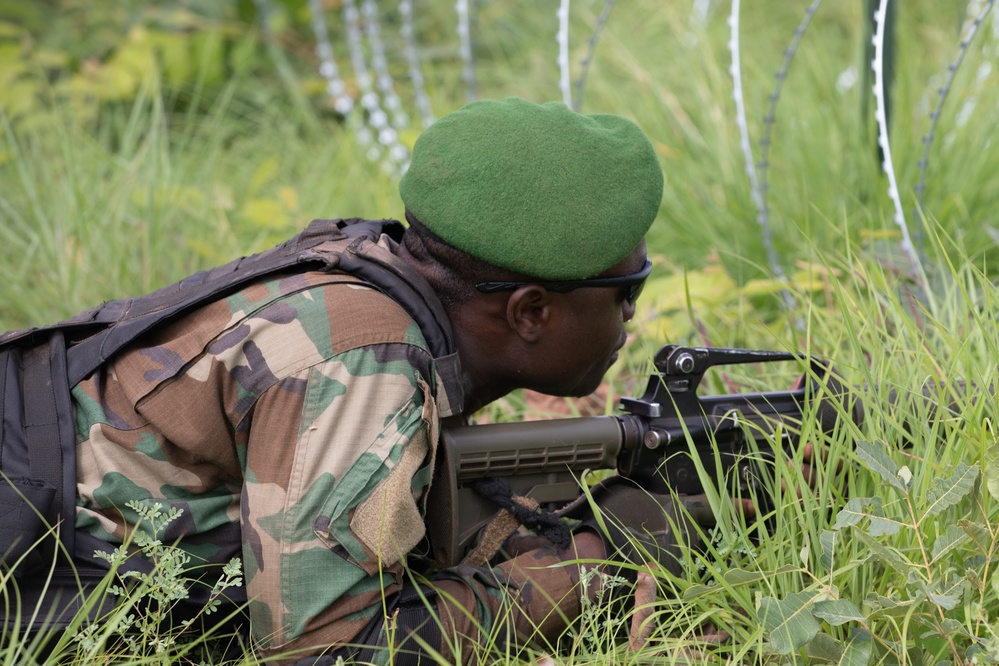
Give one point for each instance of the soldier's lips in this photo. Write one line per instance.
(620, 345)
(613, 358)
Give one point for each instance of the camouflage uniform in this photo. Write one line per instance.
(295, 423)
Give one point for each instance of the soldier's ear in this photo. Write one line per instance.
(530, 312)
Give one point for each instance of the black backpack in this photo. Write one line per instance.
(41, 365)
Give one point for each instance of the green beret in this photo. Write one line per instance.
(535, 188)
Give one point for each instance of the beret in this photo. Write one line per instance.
(535, 188)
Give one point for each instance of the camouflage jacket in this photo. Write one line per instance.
(295, 423)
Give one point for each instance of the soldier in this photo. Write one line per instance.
(296, 421)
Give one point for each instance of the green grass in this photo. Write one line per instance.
(140, 192)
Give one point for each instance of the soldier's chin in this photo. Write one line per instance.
(585, 388)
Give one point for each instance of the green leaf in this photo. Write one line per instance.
(979, 534)
(788, 621)
(868, 507)
(949, 628)
(887, 607)
(736, 577)
(975, 653)
(856, 510)
(948, 541)
(945, 598)
(883, 526)
(877, 458)
(857, 651)
(945, 493)
(695, 591)
(824, 648)
(945, 601)
(886, 554)
(992, 469)
(905, 476)
(837, 611)
(827, 540)
(971, 574)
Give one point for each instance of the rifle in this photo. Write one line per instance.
(654, 442)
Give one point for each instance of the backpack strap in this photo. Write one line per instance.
(350, 246)
(115, 324)
(37, 439)
(400, 282)
(49, 428)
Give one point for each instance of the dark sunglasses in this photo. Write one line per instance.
(632, 284)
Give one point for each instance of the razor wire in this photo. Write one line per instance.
(591, 46)
(970, 31)
(375, 130)
(562, 39)
(915, 267)
(368, 97)
(335, 86)
(465, 46)
(394, 118)
(770, 118)
(408, 32)
(744, 143)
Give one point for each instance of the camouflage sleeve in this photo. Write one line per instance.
(294, 418)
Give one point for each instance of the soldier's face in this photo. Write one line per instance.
(589, 334)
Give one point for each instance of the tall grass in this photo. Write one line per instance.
(883, 342)
(148, 194)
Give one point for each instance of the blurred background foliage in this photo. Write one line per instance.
(178, 134)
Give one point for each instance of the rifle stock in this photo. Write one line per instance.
(659, 442)
(543, 460)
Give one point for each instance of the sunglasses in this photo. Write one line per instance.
(631, 284)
